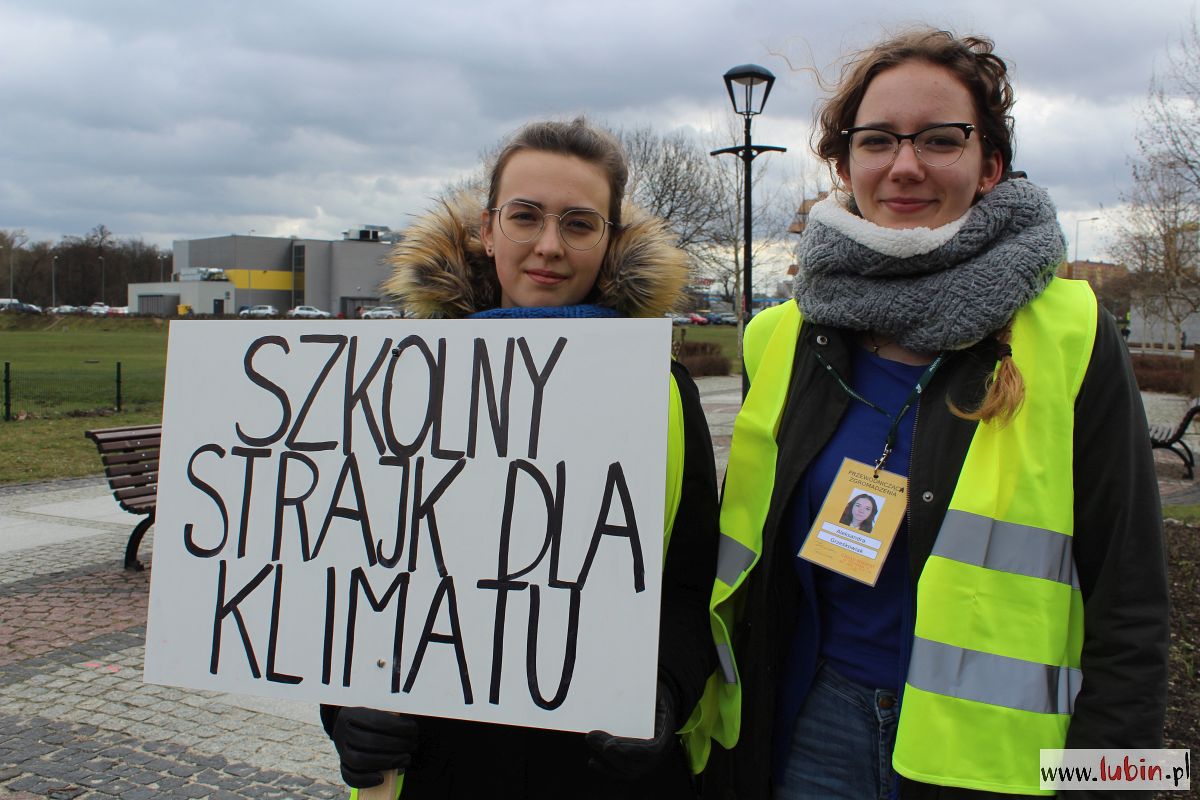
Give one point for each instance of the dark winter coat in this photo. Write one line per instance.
(440, 270)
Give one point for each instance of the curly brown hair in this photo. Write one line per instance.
(970, 58)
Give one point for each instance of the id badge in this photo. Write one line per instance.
(858, 522)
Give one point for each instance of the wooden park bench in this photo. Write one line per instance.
(130, 457)
(1171, 437)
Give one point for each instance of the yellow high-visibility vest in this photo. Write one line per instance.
(999, 627)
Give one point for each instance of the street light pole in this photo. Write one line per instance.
(747, 77)
(1071, 271)
(53, 281)
(102, 281)
(160, 267)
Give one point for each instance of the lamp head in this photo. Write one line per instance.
(748, 77)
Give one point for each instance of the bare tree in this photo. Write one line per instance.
(672, 177)
(1172, 117)
(1160, 243)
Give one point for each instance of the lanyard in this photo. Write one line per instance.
(922, 382)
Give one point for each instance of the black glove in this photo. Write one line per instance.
(369, 741)
(632, 758)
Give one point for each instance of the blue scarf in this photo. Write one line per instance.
(584, 311)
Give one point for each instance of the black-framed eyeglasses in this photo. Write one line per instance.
(579, 228)
(937, 145)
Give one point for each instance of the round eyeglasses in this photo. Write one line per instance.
(579, 228)
(937, 145)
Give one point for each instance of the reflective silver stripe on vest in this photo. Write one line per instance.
(996, 680)
(1006, 547)
(726, 659)
(733, 558)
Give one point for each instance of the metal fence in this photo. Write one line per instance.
(88, 387)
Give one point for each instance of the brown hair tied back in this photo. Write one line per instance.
(1005, 387)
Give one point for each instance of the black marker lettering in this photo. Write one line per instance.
(569, 648)
(390, 561)
(554, 518)
(250, 454)
(282, 501)
(539, 379)
(259, 380)
(189, 540)
(423, 509)
(320, 338)
(398, 449)
(437, 396)
(356, 514)
(397, 588)
(502, 587)
(274, 675)
(445, 591)
(357, 396)
(616, 480)
(225, 609)
(497, 410)
(330, 606)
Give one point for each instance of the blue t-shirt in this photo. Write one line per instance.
(860, 630)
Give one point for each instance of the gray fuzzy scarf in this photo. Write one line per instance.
(930, 290)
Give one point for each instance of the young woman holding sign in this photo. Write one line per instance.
(931, 357)
(556, 240)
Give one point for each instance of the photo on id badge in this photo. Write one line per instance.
(857, 522)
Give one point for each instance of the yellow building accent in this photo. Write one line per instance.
(263, 279)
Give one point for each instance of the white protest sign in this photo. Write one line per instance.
(454, 518)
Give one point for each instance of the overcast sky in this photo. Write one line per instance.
(166, 120)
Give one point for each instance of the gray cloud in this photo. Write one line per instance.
(176, 120)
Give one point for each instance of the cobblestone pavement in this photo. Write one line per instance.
(76, 720)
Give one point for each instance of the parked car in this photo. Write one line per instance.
(681, 319)
(698, 319)
(259, 312)
(382, 312)
(64, 310)
(17, 307)
(118, 311)
(308, 312)
(723, 318)
(97, 309)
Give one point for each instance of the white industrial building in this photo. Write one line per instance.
(223, 274)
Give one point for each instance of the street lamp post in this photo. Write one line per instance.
(102, 281)
(160, 267)
(747, 77)
(1071, 271)
(54, 281)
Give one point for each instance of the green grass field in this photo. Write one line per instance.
(723, 335)
(63, 382)
(67, 365)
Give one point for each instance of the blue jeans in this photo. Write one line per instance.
(842, 743)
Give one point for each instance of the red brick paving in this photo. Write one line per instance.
(39, 620)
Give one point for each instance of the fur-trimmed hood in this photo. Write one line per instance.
(440, 269)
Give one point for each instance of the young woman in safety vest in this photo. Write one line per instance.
(1011, 593)
(554, 240)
